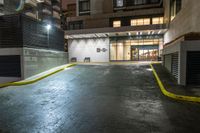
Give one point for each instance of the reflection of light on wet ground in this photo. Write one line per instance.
(68, 68)
(149, 69)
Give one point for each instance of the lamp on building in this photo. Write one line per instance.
(48, 27)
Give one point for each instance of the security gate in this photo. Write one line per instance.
(193, 68)
(175, 65)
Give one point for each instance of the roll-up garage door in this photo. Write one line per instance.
(193, 68)
(175, 65)
(10, 66)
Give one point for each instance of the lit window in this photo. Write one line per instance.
(137, 22)
(157, 20)
(116, 23)
(147, 21)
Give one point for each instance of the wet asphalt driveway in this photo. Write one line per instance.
(96, 99)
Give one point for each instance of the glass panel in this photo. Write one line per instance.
(116, 23)
(133, 22)
(157, 20)
(113, 50)
(143, 21)
(127, 54)
(120, 50)
(147, 21)
(140, 22)
(135, 54)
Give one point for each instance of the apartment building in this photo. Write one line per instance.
(48, 11)
(116, 30)
(31, 40)
(182, 40)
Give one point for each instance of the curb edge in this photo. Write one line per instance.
(172, 95)
(19, 83)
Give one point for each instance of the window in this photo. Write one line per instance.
(75, 25)
(175, 7)
(157, 20)
(117, 23)
(143, 21)
(139, 2)
(84, 7)
(71, 10)
(119, 3)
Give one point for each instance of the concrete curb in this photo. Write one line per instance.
(36, 79)
(172, 95)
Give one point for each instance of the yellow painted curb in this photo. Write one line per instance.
(35, 80)
(172, 95)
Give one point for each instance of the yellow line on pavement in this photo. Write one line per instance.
(19, 83)
(172, 95)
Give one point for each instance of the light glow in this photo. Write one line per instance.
(48, 27)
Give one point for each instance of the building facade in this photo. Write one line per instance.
(137, 30)
(48, 11)
(116, 30)
(31, 40)
(182, 40)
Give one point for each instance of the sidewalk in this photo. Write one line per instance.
(170, 84)
(37, 77)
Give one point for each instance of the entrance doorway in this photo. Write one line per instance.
(144, 53)
(135, 50)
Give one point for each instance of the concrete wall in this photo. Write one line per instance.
(187, 20)
(81, 48)
(36, 61)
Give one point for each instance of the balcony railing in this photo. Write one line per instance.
(48, 2)
(46, 11)
(31, 2)
(56, 7)
(32, 15)
(56, 15)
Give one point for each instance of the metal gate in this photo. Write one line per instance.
(193, 68)
(175, 65)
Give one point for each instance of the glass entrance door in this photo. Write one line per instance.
(134, 54)
(144, 53)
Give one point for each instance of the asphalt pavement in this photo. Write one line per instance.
(96, 99)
